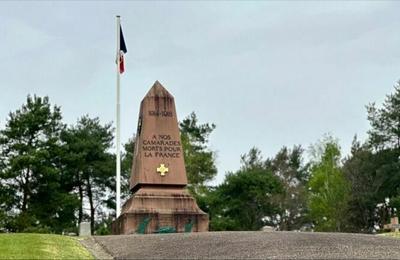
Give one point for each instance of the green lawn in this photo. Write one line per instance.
(41, 246)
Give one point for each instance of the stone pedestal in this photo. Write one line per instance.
(158, 179)
(164, 208)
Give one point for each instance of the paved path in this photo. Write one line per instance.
(223, 245)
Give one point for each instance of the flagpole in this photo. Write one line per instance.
(118, 162)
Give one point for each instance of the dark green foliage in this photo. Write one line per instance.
(385, 122)
(103, 225)
(384, 137)
(42, 160)
(89, 165)
(47, 169)
(287, 165)
(7, 202)
(360, 171)
(252, 160)
(199, 160)
(126, 167)
(373, 169)
(244, 200)
(50, 173)
(30, 168)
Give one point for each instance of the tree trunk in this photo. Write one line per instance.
(92, 210)
(80, 216)
(26, 190)
(24, 200)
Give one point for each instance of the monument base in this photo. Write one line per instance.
(152, 209)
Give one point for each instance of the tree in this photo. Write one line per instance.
(288, 167)
(246, 198)
(244, 201)
(31, 168)
(89, 164)
(384, 140)
(385, 122)
(328, 189)
(126, 168)
(361, 169)
(199, 159)
(252, 160)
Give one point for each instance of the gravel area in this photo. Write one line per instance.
(224, 245)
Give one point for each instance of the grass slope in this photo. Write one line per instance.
(41, 246)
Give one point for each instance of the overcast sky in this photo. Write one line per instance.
(268, 74)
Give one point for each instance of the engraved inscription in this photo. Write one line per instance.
(161, 146)
(160, 113)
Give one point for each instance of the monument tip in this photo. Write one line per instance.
(158, 90)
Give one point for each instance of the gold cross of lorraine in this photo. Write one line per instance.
(162, 169)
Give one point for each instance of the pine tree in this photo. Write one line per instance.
(89, 164)
(385, 122)
(31, 168)
(199, 160)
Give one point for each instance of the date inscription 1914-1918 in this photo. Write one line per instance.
(160, 113)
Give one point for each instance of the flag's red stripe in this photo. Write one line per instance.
(121, 64)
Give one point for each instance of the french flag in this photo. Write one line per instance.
(122, 51)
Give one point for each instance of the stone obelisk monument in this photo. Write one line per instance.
(159, 200)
